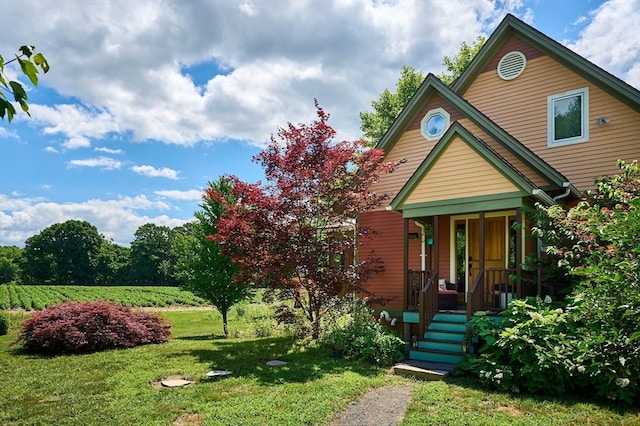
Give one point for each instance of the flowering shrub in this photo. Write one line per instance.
(90, 327)
(351, 327)
(541, 349)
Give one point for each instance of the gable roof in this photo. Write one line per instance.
(511, 25)
(522, 185)
(431, 86)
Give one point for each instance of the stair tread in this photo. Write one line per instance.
(437, 351)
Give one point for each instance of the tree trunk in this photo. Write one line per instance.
(224, 323)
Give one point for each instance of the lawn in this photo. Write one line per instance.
(115, 387)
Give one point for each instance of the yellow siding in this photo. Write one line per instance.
(532, 175)
(411, 147)
(460, 172)
(520, 107)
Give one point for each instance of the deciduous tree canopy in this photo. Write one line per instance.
(298, 232)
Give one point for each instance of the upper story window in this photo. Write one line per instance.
(434, 124)
(568, 117)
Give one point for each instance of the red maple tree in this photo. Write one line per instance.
(298, 233)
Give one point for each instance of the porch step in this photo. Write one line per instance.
(442, 341)
(423, 370)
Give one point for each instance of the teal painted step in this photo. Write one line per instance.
(451, 317)
(444, 335)
(447, 326)
(435, 356)
(441, 345)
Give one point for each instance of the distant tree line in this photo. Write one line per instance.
(74, 252)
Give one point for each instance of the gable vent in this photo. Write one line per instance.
(511, 65)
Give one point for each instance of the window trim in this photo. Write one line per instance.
(551, 141)
(427, 117)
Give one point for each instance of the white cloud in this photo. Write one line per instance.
(105, 163)
(155, 172)
(109, 150)
(189, 195)
(116, 219)
(126, 68)
(609, 39)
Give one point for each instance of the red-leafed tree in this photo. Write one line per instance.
(298, 232)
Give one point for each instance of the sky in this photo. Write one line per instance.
(149, 100)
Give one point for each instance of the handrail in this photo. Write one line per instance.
(492, 289)
(475, 298)
(428, 302)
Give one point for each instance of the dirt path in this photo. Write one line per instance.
(383, 406)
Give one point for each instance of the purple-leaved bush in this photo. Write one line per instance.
(83, 327)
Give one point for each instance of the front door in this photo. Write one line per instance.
(497, 250)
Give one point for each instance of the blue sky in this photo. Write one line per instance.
(147, 100)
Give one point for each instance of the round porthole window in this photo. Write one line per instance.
(434, 124)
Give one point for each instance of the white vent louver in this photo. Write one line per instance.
(511, 65)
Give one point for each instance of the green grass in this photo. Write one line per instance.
(36, 297)
(115, 388)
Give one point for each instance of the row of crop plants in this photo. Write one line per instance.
(37, 297)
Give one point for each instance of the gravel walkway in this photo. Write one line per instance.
(383, 406)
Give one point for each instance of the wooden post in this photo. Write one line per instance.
(519, 230)
(405, 260)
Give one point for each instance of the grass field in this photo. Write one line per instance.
(115, 387)
(36, 297)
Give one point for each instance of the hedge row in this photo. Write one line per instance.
(38, 297)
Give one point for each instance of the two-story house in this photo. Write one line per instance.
(529, 121)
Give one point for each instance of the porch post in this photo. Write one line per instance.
(519, 229)
(405, 260)
(481, 242)
(436, 245)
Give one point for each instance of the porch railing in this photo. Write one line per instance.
(492, 289)
(422, 295)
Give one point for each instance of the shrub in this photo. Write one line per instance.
(351, 327)
(540, 348)
(84, 327)
(4, 323)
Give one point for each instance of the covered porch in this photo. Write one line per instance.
(470, 262)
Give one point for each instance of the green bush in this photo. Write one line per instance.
(4, 323)
(351, 327)
(540, 348)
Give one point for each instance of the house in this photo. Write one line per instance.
(529, 121)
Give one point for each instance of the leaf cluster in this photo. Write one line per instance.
(351, 327)
(29, 61)
(90, 327)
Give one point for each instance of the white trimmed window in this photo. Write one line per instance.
(434, 124)
(568, 117)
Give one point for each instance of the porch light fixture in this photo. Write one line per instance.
(430, 241)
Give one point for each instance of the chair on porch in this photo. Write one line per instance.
(447, 296)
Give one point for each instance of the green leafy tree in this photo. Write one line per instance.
(10, 260)
(29, 61)
(385, 110)
(457, 64)
(152, 257)
(63, 253)
(202, 268)
(112, 264)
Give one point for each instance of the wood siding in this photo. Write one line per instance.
(520, 107)
(532, 175)
(460, 172)
(388, 246)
